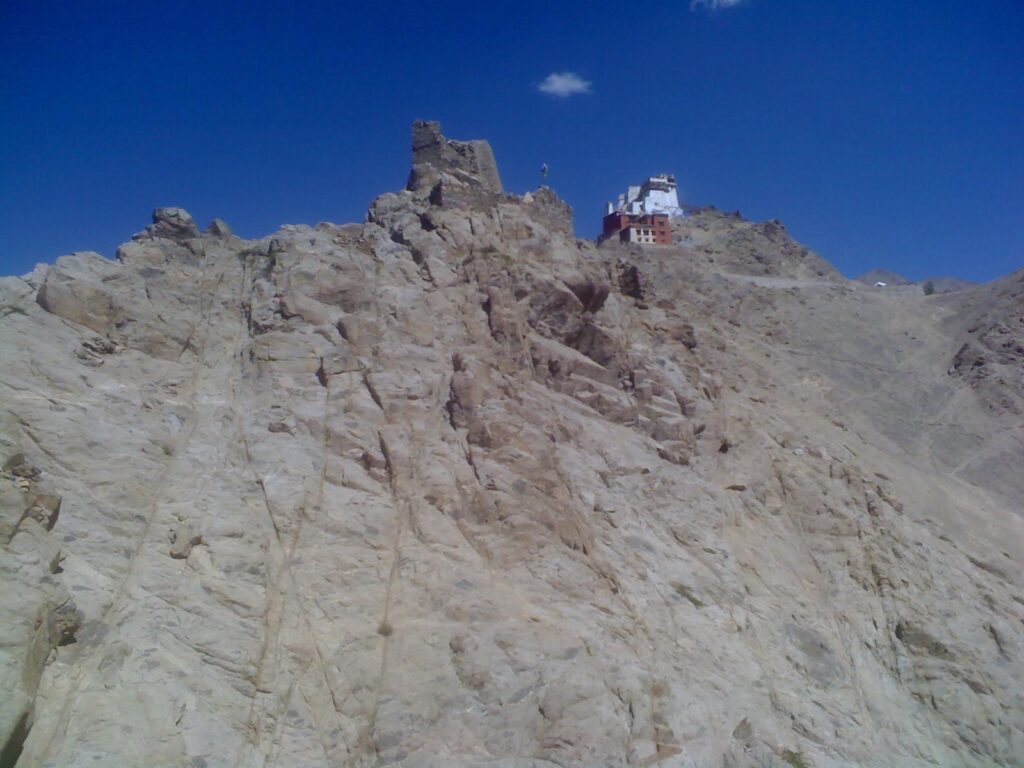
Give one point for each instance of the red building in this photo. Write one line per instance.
(647, 229)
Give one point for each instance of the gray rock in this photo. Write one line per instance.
(219, 228)
(173, 223)
(81, 288)
(184, 538)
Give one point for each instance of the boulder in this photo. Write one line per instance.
(173, 224)
(80, 288)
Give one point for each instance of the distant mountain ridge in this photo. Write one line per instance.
(944, 284)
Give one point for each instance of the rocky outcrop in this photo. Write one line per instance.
(452, 488)
(174, 224)
(469, 162)
(991, 359)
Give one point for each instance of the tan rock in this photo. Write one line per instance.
(450, 488)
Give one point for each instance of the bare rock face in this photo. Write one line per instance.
(991, 359)
(546, 207)
(81, 288)
(452, 488)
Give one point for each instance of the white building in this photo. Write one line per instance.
(656, 195)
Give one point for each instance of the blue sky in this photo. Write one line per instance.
(882, 133)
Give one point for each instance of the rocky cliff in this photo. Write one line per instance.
(452, 488)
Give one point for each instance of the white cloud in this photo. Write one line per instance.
(562, 85)
(714, 5)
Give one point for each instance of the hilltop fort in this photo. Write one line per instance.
(642, 212)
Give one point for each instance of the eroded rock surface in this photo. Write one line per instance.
(991, 359)
(451, 488)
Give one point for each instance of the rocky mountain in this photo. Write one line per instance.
(450, 487)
